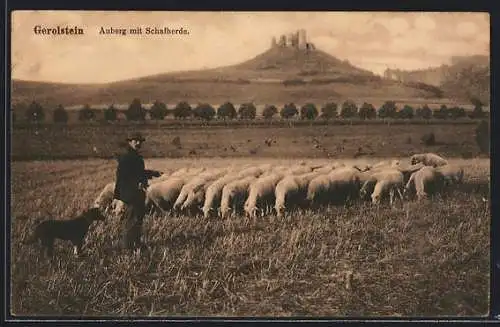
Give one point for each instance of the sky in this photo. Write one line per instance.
(370, 40)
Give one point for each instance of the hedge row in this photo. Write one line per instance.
(136, 112)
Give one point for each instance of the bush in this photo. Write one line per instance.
(478, 112)
(429, 139)
(329, 111)
(388, 110)
(183, 110)
(110, 114)
(247, 111)
(35, 112)
(457, 112)
(60, 115)
(441, 113)
(308, 111)
(289, 110)
(135, 111)
(367, 111)
(349, 109)
(204, 111)
(425, 112)
(269, 111)
(482, 135)
(86, 113)
(406, 113)
(158, 110)
(227, 110)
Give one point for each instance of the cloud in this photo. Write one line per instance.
(466, 29)
(425, 23)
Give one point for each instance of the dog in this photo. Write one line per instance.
(73, 230)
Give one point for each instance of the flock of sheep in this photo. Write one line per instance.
(261, 189)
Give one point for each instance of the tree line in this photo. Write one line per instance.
(227, 111)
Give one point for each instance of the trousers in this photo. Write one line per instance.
(132, 219)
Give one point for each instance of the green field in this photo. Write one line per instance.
(416, 259)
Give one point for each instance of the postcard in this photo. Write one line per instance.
(250, 164)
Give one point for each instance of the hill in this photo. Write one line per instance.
(278, 75)
(467, 77)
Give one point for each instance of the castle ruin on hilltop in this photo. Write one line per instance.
(296, 40)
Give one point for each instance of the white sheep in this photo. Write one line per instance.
(105, 198)
(388, 181)
(163, 177)
(325, 169)
(234, 195)
(298, 170)
(251, 171)
(340, 185)
(162, 195)
(452, 174)
(426, 181)
(408, 170)
(187, 171)
(428, 159)
(213, 194)
(194, 191)
(291, 192)
(196, 196)
(261, 194)
(106, 201)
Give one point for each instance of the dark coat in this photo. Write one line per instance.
(129, 174)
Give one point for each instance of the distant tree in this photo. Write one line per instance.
(204, 111)
(135, 111)
(60, 115)
(425, 112)
(348, 109)
(110, 113)
(86, 113)
(457, 112)
(406, 113)
(247, 111)
(289, 110)
(35, 112)
(308, 111)
(482, 134)
(269, 111)
(367, 111)
(183, 110)
(227, 111)
(329, 111)
(388, 110)
(476, 102)
(441, 113)
(478, 111)
(158, 110)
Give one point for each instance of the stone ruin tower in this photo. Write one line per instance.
(296, 40)
(302, 39)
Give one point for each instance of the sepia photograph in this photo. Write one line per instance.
(249, 164)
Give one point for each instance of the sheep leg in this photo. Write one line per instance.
(400, 194)
(391, 196)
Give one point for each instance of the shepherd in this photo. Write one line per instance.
(131, 185)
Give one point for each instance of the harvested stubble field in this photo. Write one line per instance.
(338, 139)
(417, 259)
